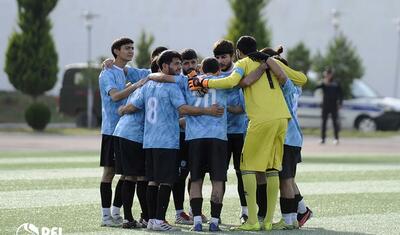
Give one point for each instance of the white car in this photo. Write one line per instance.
(366, 111)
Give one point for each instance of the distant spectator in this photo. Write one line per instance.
(332, 101)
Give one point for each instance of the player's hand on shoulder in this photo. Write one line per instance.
(107, 63)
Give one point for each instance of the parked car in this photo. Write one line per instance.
(73, 94)
(365, 111)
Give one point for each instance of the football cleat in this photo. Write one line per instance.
(109, 222)
(214, 228)
(131, 224)
(243, 218)
(183, 218)
(163, 226)
(303, 218)
(197, 228)
(282, 225)
(247, 227)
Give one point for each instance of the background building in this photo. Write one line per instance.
(179, 24)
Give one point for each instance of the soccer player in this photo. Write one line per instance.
(113, 92)
(130, 162)
(223, 51)
(291, 156)
(189, 63)
(268, 116)
(161, 102)
(207, 141)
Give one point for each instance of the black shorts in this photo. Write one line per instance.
(291, 156)
(129, 158)
(235, 146)
(161, 165)
(183, 155)
(208, 155)
(107, 154)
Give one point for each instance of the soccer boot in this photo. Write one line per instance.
(109, 222)
(282, 225)
(183, 218)
(243, 218)
(247, 227)
(197, 228)
(214, 228)
(303, 218)
(163, 226)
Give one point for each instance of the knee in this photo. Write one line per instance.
(108, 174)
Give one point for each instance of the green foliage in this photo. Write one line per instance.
(247, 20)
(343, 58)
(143, 50)
(299, 59)
(31, 58)
(37, 115)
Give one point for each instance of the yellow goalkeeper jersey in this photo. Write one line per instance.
(262, 102)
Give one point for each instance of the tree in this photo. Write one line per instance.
(247, 20)
(344, 60)
(31, 58)
(299, 59)
(143, 49)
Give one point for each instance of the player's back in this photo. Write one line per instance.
(204, 126)
(161, 102)
(131, 126)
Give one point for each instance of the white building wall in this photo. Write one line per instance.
(180, 24)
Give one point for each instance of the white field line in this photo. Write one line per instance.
(62, 197)
(40, 160)
(37, 174)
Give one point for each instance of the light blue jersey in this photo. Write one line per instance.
(294, 136)
(135, 74)
(113, 78)
(161, 102)
(237, 123)
(205, 126)
(131, 126)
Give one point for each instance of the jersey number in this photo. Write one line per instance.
(151, 111)
(206, 98)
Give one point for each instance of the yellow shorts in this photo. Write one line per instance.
(263, 146)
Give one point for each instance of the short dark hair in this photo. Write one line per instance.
(118, 43)
(167, 56)
(189, 54)
(222, 47)
(157, 51)
(246, 44)
(154, 66)
(210, 65)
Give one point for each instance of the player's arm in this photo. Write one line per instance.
(214, 110)
(160, 77)
(122, 94)
(253, 76)
(297, 77)
(126, 109)
(237, 109)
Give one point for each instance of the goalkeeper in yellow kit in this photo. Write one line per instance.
(268, 118)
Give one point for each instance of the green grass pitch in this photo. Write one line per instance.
(349, 194)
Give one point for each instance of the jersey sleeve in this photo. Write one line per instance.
(107, 82)
(138, 99)
(231, 80)
(298, 78)
(135, 74)
(176, 97)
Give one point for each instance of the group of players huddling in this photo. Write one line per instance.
(159, 125)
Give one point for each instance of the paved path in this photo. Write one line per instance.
(52, 142)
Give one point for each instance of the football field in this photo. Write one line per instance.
(348, 193)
